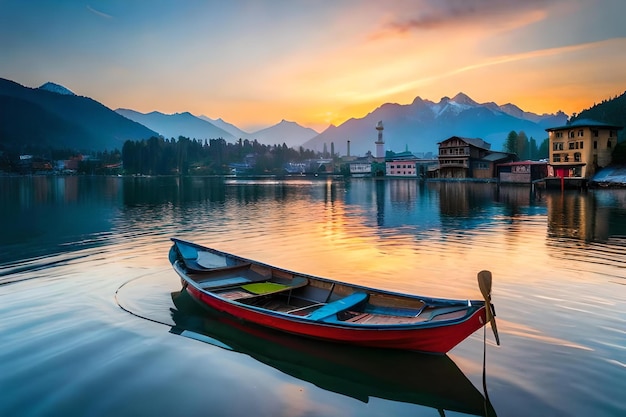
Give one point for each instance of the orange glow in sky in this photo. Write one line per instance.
(254, 63)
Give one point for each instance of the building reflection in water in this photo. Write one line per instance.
(594, 216)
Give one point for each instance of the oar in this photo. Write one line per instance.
(484, 283)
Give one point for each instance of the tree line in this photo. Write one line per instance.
(158, 156)
(526, 148)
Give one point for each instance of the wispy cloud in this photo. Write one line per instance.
(99, 13)
(494, 61)
(440, 14)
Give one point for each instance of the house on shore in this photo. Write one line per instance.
(469, 158)
(403, 164)
(581, 148)
(406, 164)
(361, 167)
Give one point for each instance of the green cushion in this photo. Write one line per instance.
(264, 287)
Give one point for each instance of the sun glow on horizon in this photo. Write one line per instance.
(276, 63)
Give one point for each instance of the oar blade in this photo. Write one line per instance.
(484, 284)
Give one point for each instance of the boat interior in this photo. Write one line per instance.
(320, 300)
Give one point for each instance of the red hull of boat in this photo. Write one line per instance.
(431, 339)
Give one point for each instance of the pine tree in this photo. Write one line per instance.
(510, 145)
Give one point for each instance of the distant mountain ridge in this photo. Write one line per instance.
(177, 124)
(290, 133)
(228, 127)
(203, 127)
(52, 117)
(419, 126)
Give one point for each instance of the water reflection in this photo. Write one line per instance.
(591, 217)
(558, 263)
(47, 215)
(428, 380)
(32, 204)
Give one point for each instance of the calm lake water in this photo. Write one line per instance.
(92, 323)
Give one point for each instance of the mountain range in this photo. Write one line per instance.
(178, 124)
(203, 127)
(52, 115)
(419, 126)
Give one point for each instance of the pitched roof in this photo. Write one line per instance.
(476, 142)
(496, 156)
(585, 123)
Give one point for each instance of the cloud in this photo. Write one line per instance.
(99, 13)
(413, 84)
(436, 14)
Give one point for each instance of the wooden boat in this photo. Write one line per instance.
(433, 381)
(325, 309)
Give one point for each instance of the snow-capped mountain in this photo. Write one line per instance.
(56, 88)
(423, 123)
(459, 103)
(418, 126)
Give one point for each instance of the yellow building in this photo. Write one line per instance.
(581, 148)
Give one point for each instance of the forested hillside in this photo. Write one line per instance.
(611, 111)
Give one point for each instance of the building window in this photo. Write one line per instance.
(581, 133)
(557, 146)
(611, 133)
(566, 159)
(571, 145)
(595, 144)
(594, 133)
(559, 134)
(577, 157)
(570, 134)
(581, 144)
(608, 144)
(556, 157)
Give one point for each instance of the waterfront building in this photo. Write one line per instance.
(579, 149)
(403, 164)
(522, 172)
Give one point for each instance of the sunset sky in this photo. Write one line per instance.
(253, 63)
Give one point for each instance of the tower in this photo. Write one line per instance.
(380, 143)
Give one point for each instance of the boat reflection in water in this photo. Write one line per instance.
(428, 380)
